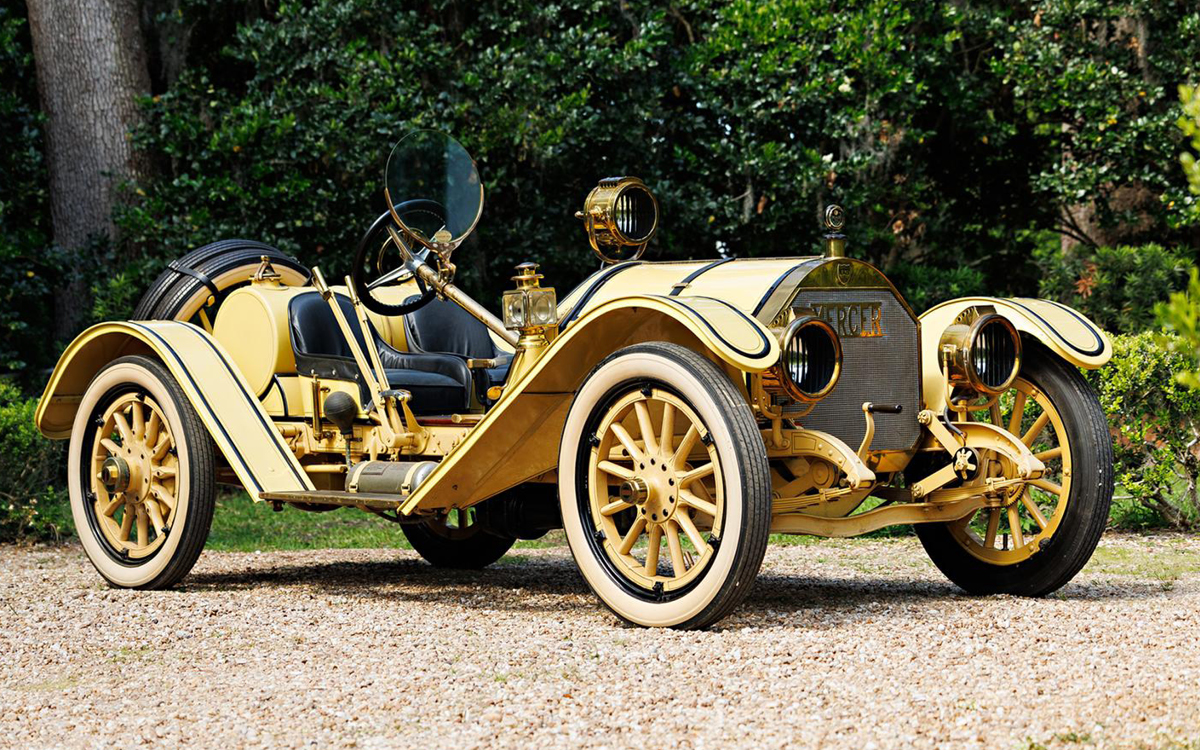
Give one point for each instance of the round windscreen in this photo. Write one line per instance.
(433, 187)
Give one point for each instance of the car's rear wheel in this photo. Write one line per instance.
(1050, 526)
(141, 476)
(664, 487)
(456, 539)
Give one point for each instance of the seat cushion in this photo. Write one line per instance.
(443, 326)
(432, 392)
(439, 383)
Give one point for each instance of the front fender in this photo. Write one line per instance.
(1064, 331)
(240, 428)
(517, 440)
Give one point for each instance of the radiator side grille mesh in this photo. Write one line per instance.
(883, 369)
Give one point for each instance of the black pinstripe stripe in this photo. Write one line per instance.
(695, 275)
(1089, 327)
(595, 287)
(766, 341)
(783, 277)
(255, 408)
(229, 439)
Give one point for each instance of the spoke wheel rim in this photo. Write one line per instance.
(134, 518)
(661, 539)
(1040, 427)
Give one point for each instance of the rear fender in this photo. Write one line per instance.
(233, 416)
(1065, 332)
(518, 439)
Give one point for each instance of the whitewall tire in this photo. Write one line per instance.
(664, 487)
(141, 476)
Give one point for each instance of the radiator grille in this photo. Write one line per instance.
(882, 369)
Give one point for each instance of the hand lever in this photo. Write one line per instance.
(869, 411)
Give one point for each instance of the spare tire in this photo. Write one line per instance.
(199, 281)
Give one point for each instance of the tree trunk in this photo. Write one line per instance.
(91, 67)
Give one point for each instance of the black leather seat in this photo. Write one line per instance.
(443, 327)
(439, 383)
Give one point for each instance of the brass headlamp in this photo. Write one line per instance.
(811, 361)
(619, 213)
(980, 351)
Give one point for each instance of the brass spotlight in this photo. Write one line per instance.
(619, 213)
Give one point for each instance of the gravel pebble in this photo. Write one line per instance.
(856, 644)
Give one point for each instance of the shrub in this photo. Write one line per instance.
(32, 504)
(26, 267)
(1180, 315)
(1117, 287)
(942, 127)
(1155, 421)
(1190, 125)
(926, 286)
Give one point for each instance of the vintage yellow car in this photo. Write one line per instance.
(669, 416)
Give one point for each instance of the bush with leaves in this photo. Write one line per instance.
(926, 286)
(32, 505)
(1155, 421)
(1118, 287)
(1190, 125)
(1180, 317)
(927, 120)
(1097, 81)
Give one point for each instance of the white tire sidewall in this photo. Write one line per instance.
(631, 367)
(138, 574)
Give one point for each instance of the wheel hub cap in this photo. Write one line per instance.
(635, 491)
(114, 474)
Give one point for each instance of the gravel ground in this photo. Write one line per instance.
(857, 644)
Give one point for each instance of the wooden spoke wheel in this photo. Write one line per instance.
(1048, 527)
(664, 487)
(456, 539)
(142, 484)
(1035, 509)
(135, 468)
(658, 504)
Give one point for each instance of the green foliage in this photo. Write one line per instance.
(1096, 81)
(746, 117)
(26, 267)
(926, 286)
(1190, 125)
(1118, 287)
(31, 507)
(1180, 316)
(1155, 421)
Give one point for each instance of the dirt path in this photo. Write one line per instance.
(854, 644)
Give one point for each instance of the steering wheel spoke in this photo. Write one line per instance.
(369, 258)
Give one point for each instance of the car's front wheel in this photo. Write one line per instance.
(1049, 527)
(664, 487)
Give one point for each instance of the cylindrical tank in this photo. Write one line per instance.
(388, 477)
(252, 325)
